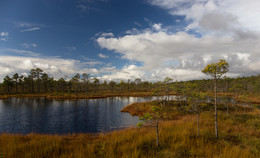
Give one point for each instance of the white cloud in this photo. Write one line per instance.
(4, 36)
(31, 29)
(110, 34)
(93, 63)
(157, 27)
(102, 55)
(127, 72)
(34, 45)
(132, 31)
(29, 45)
(133, 71)
(182, 53)
(245, 13)
(177, 20)
(54, 66)
(28, 25)
(20, 52)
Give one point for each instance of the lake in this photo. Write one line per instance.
(51, 116)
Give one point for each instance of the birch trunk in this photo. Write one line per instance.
(216, 110)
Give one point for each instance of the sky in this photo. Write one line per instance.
(129, 39)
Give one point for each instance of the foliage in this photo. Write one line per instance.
(216, 70)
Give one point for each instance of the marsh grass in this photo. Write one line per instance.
(248, 98)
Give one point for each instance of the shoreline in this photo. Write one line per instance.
(83, 96)
(253, 99)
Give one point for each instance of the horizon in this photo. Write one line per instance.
(91, 78)
(116, 40)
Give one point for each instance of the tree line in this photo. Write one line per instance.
(40, 82)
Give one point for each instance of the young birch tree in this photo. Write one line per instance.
(216, 70)
(196, 102)
(152, 119)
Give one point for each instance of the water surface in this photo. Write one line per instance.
(50, 116)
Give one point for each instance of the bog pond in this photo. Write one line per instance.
(50, 116)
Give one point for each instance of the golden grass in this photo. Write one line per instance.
(138, 109)
(173, 109)
(239, 137)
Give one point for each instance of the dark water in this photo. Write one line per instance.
(41, 115)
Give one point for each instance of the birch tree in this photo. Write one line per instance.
(216, 70)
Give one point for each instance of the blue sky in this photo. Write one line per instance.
(127, 39)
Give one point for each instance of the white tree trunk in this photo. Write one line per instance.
(198, 119)
(216, 110)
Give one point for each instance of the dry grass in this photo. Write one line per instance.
(172, 109)
(239, 137)
(138, 109)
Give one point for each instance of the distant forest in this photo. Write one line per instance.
(40, 82)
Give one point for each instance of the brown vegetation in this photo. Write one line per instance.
(172, 108)
(248, 99)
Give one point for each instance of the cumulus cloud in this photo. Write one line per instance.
(127, 72)
(54, 66)
(182, 50)
(239, 13)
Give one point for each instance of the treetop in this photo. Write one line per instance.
(216, 70)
